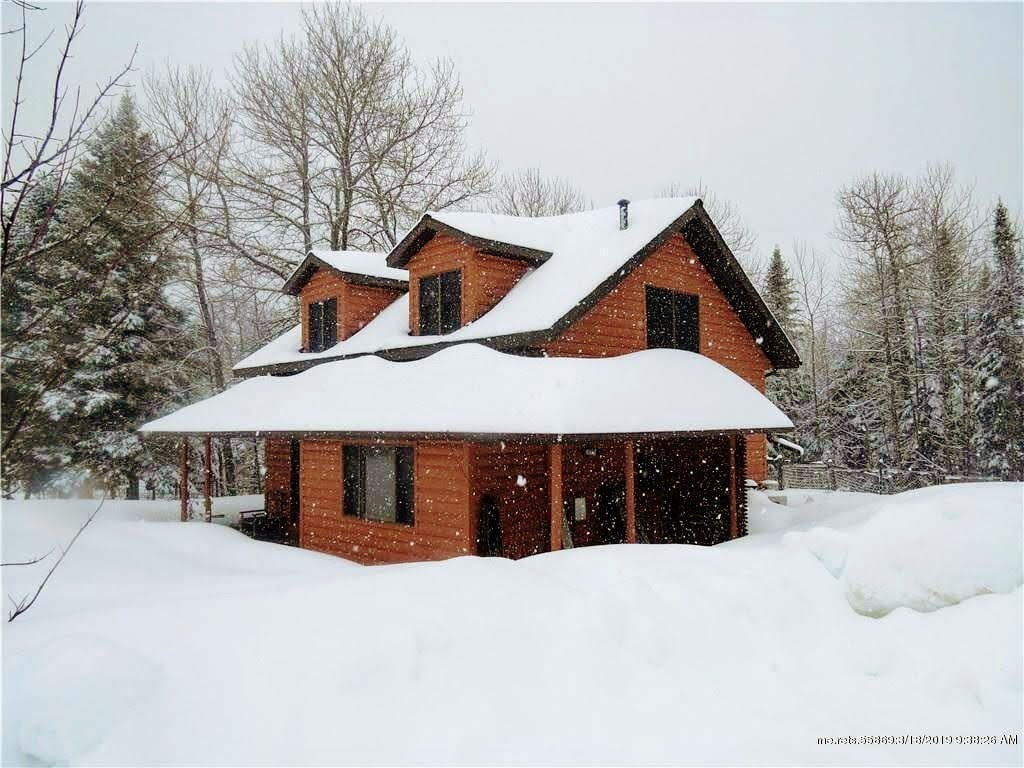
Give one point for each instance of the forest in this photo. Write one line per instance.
(147, 230)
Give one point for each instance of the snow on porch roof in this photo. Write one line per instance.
(470, 389)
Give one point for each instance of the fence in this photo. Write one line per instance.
(827, 476)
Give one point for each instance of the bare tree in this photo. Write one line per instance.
(50, 150)
(344, 139)
(528, 193)
(739, 237)
(877, 214)
(814, 293)
(186, 110)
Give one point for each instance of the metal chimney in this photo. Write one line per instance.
(623, 214)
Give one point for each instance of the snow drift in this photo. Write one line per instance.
(187, 644)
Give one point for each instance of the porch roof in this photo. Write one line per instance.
(472, 390)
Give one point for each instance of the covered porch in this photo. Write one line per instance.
(532, 497)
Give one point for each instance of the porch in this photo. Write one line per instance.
(529, 498)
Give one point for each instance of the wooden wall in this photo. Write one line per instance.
(441, 507)
(485, 279)
(357, 304)
(522, 504)
(277, 483)
(617, 324)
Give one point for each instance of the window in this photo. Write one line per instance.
(440, 303)
(673, 320)
(377, 483)
(323, 325)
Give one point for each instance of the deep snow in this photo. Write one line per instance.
(170, 643)
(470, 388)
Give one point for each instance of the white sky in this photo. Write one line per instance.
(773, 106)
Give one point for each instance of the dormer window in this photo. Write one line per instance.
(323, 325)
(440, 303)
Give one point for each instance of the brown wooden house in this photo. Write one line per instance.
(484, 388)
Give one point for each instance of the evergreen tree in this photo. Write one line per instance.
(999, 437)
(128, 336)
(783, 387)
(31, 296)
(780, 294)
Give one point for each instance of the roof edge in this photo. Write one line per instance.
(309, 266)
(428, 226)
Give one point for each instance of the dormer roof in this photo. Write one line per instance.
(361, 267)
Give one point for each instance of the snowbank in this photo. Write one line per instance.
(926, 549)
(163, 643)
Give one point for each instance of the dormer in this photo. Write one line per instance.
(455, 277)
(339, 292)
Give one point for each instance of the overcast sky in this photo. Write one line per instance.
(773, 106)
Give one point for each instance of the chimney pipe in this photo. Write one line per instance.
(623, 214)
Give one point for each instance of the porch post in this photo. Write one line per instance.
(207, 478)
(630, 492)
(555, 474)
(734, 522)
(183, 479)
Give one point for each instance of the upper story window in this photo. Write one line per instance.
(323, 325)
(440, 303)
(673, 320)
(378, 483)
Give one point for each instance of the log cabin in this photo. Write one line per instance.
(505, 386)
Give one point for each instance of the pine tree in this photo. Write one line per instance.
(128, 333)
(780, 294)
(999, 439)
(783, 387)
(31, 298)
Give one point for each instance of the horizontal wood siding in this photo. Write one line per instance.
(360, 304)
(441, 507)
(488, 280)
(617, 325)
(277, 484)
(523, 505)
(321, 286)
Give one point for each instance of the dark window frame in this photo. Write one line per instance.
(440, 303)
(672, 319)
(323, 324)
(353, 483)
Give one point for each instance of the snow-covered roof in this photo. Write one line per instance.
(369, 265)
(471, 389)
(581, 251)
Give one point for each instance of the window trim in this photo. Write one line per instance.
(674, 332)
(353, 483)
(438, 326)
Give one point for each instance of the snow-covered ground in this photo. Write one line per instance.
(845, 616)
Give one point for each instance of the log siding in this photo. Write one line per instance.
(440, 506)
